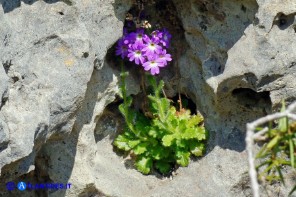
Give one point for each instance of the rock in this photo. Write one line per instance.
(49, 52)
(271, 13)
(58, 110)
(3, 87)
(3, 69)
(237, 69)
(4, 135)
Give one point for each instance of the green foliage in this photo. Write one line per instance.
(161, 142)
(278, 151)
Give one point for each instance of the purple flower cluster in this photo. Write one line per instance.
(148, 51)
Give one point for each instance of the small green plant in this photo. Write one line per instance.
(166, 138)
(278, 151)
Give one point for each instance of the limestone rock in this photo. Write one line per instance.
(58, 90)
(239, 68)
(49, 52)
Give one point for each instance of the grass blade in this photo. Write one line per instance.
(291, 145)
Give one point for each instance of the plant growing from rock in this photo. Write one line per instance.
(279, 149)
(166, 136)
(169, 137)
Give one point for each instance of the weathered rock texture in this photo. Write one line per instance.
(237, 62)
(49, 87)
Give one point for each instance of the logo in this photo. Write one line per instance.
(10, 186)
(21, 186)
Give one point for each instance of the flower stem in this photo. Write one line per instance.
(127, 113)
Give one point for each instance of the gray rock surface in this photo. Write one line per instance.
(238, 68)
(49, 52)
(48, 75)
(57, 119)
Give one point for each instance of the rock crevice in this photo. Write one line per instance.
(234, 58)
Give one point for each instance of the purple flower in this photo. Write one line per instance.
(164, 57)
(166, 37)
(136, 38)
(153, 65)
(145, 50)
(151, 46)
(156, 35)
(135, 53)
(128, 39)
(122, 48)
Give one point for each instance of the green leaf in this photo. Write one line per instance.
(153, 104)
(141, 148)
(263, 152)
(171, 118)
(182, 125)
(197, 150)
(144, 164)
(273, 142)
(183, 158)
(152, 132)
(195, 120)
(159, 152)
(152, 98)
(181, 143)
(165, 103)
(132, 116)
(160, 85)
(273, 132)
(185, 115)
(158, 88)
(121, 109)
(172, 112)
(291, 146)
(190, 133)
(283, 122)
(269, 167)
(121, 142)
(129, 115)
(259, 128)
(133, 143)
(152, 81)
(163, 166)
(159, 125)
(201, 133)
(120, 93)
(167, 140)
(142, 124)
(173, 123)
(154, 107)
